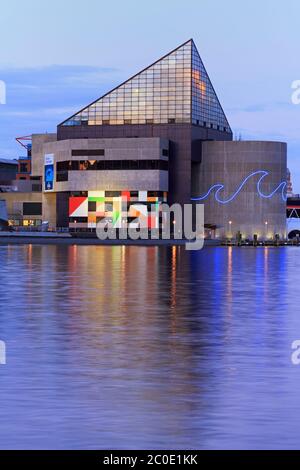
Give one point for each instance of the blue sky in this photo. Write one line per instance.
(58, 56)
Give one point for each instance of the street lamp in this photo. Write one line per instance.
(266, 224)
(230, 232)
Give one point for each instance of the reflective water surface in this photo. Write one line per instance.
(149, 347)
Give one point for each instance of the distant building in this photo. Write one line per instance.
(24, 163)
(21, 192)
(24, 168)
(289, 188)
(8, 171)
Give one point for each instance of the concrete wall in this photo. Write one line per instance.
(27, 186)
(37, 152)
(115, 149)
(229, 163)
(123, 149)
(49, 208)
(15, 200)
(122, 180)
(182, 149)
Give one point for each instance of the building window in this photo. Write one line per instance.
(63, 168)
(88, 153)
(32, 208)
(109, 207)
(165, 152)
(62, 176)
(78, 220)
(112, 193)
(24, 168)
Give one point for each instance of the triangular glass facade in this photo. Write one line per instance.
(175, 89)
(206, 108)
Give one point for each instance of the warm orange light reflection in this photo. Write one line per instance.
(173, 277)
(30, 255)
(72, 258)
(198, 82)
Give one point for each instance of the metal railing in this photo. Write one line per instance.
(40, 228)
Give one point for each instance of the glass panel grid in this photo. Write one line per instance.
(161, 93)
(175, 89)
(206, 108)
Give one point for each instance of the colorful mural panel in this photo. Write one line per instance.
(121, 209)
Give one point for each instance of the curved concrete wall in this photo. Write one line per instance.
(239, 166)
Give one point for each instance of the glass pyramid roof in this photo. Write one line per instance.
(175, 89)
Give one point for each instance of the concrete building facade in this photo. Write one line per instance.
(136, 144)
(24, 209)
(103, 171)
(243, 188)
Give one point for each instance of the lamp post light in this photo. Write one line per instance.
(230, 231)
(266, 224)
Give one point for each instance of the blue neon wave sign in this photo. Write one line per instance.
(220, 187)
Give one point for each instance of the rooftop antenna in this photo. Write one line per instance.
(22, 141)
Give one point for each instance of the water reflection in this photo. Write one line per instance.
(133, 347)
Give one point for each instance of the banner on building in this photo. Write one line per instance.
(49, 172)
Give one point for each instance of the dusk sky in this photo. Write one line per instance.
(58, 56)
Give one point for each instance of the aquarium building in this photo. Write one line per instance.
(162, 135)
